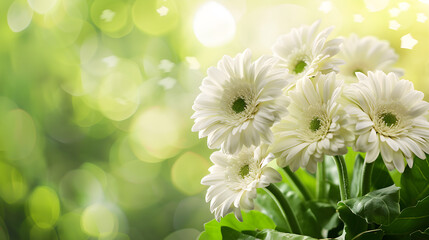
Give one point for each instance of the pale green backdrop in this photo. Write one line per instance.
(96, 96)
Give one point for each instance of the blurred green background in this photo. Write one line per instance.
(96, 96)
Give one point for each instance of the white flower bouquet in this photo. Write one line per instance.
(317, 104)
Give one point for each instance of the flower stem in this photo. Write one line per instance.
(366, 177)
(285, 207)
(321, 181)
(301, 188)
(342, 174)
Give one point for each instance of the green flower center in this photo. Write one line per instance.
(244, 171)
(299, 67)
(389, 119)
(358, 70)
(315, 124)
(239, 105)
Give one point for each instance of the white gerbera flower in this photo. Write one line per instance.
(303, 53)
(367, 54)
(239, 101)
(389, 119)
(233, 180)
(316, 125)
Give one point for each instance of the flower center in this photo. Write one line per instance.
(239, 105)
(315, 124)
(299, 67)
(244, 171)
(357, 70)
(389, 119)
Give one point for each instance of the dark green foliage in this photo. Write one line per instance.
(415, 183)
(376, 215)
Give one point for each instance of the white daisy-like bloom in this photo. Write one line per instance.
(239, 101)
(233, 180)
(366, 54)
(304, 53)
(389, 118)
(317, 124)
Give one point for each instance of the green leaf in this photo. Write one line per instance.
(380, 206)
(325, 214)
(332, 181)
(354, 224)
(229, 233)
(414, 183)
(3, 230)
(306, 219)
(350, 159)
(355, 186)
(266, 234)
(419, 235)
(269, 207)
(252, 220)
(411, 219)
(380, 177)
(376, 234)
(308, 179)
(269, 234)
(396, 177)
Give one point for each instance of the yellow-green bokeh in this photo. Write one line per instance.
(19, 134)
(69, 227)
(98, 221)
(110, 16)
(147, 19)
(44, 207)
(187, 172)
(13, 185)
(96, 104)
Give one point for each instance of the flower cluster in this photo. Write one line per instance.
(314, 97)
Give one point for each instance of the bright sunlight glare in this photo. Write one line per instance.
(214, 25)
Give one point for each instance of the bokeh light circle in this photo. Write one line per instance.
(110, 16)
(44, 207)
(76, 8)
(19, 16)
(128, 166)
(13, 185)
(187, 172)
(80, 188)
(214, 25)
(118, 96)
(99, 221)
(18, 137)
(158, 131)
(65, 28)
(260, 30)
(69, 226)
(376, 5)
(147, 16)
(42, 6)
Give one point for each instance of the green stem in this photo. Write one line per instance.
(285, 207)
(366, 178)
(342, 174)
(321, 181)
(301, 188)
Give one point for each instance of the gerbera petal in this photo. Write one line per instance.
(235, 94)
(316, 124)
(395, 110)
(234, 178)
